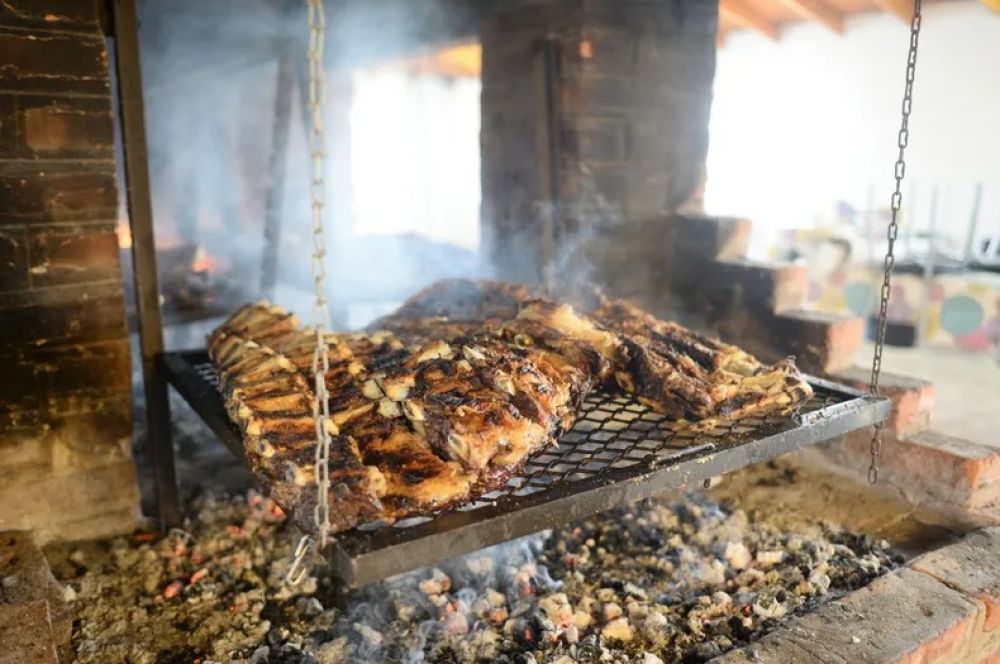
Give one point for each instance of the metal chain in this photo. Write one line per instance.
(320, 309)
(890, 257)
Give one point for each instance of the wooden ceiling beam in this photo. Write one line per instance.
(903, 9)
(819, 10)
(741, 13)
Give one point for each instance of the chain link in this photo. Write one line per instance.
(890, 256)
(320, 309)
(321, 312)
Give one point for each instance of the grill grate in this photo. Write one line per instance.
(619, 451)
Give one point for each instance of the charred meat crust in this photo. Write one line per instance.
(445, 399)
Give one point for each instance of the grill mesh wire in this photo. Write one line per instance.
(613, 431)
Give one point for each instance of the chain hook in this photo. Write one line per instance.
(297, 571)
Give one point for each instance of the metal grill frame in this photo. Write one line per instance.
(618, 452)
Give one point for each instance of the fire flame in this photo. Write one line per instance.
(124, 234)
(203, 261)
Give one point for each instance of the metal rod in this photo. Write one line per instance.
(276, 172)
(910, 222)
(547, 143)
(970, 238)
(140, 213)
(929, 261)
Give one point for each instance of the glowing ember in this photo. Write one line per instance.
(203, 262)
(124, 234)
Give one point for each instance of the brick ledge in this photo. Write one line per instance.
(942, 608)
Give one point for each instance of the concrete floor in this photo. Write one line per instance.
(966, 386)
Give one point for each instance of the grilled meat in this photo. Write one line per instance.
(271, 401)
(449, 396)
(687, 375)
(454, 308)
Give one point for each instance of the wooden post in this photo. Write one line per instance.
(147, 295)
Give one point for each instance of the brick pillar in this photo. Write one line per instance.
(629, 103)
(65, 395)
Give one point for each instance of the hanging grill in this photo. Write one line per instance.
(618, 452)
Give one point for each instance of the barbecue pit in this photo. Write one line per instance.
(587, 181)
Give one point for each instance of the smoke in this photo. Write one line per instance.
(211, 77)
(454, 598)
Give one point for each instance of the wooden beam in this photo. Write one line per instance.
(819, 10)
(903, 9)
(743, 14)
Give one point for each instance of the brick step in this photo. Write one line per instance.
(726, 285)
(912, 398)
(927, 467)
(931, 467)
(942, 608)
(821, 343)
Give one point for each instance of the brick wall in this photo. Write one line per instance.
(65, 399)
(632, 94)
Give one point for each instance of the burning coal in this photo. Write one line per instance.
(660, 582)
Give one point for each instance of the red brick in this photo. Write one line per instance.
(72, 255)
(904, 617)
(59, 130)
(39, 195)
(40, 126)
(912, 398)
(930, 468)
(972, 469)
(589, 93)
(594, 140)
(778, 287)
(705, 238)
(821, 343)
(13, 258)
(63, 15)
(69, 315)
(9, 126)
(92, 502)
(44, 377)
(53, 62)
(972, 567)
(598, 50)
(110, 413)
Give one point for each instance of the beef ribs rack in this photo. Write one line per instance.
(481, 411)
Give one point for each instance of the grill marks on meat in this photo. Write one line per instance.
(687, 375)
(272, 402)
(448, 397)
(416, 429)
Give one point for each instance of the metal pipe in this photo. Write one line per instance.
(928, 268)
(970, 238)
(548, 144)
(276, 171)
(125, 32)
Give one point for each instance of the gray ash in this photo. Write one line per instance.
(659, 582)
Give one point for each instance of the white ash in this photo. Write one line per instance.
(659, 582)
